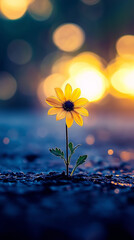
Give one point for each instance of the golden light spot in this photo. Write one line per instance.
(40, 10)
(123, 80)
(6, 140)
(13, 9)
(89, 79)
(61, 65)
(90, 2)
(8, 86)
(90, 139)
(91, 59)
(69, 37)
(125, 46)
(47, 86)
(121, 184)
(19, 52)
(110, 152)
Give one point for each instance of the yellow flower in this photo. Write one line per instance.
(68, 105)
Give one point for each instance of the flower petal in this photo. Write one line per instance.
(60, 115)
(69, 119)
(82, 111)
(76, 94)
(60, 94)
(53, 111)
(78, 119)
(80, 102)
(68, 92)
(53, 101)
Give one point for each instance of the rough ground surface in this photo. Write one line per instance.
(37, 201)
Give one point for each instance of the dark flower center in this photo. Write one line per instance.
(68, 106)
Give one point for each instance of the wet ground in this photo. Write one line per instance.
(37, 201)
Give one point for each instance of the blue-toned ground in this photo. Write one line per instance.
(36, 199)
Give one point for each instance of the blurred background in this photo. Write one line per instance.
(47, 43)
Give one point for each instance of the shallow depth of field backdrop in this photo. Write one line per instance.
(45, 44)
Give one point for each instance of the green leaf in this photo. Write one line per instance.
(58, 153)
(80, 161)
(72, 148)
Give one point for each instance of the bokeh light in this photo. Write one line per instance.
(90, 2)
(90, 139)
(8, 86)
(127, 155)
(40, 10)
(6, 140)
(110, 152)
(46, 87)
(125, 46)
(69, 37)
(13, 9)
(90, 58)
(89, 79)
(61, 65)
(19, 52)
(121, 75)
(123, 80)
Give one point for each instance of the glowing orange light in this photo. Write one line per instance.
(91, 59)
(110, 152)
(125, 46)
(8, 86)
(61, 65)
(40, 9)
(89, 79)
(69, 37)
(123, 80)
(127, 155)
(13, 9)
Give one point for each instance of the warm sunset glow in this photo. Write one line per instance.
(40, 10)
(125, 46)
(123, 80)
(89, 79)
(13, 9)
(69, 37)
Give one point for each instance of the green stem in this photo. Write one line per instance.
(72, 171)
(67, 163)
